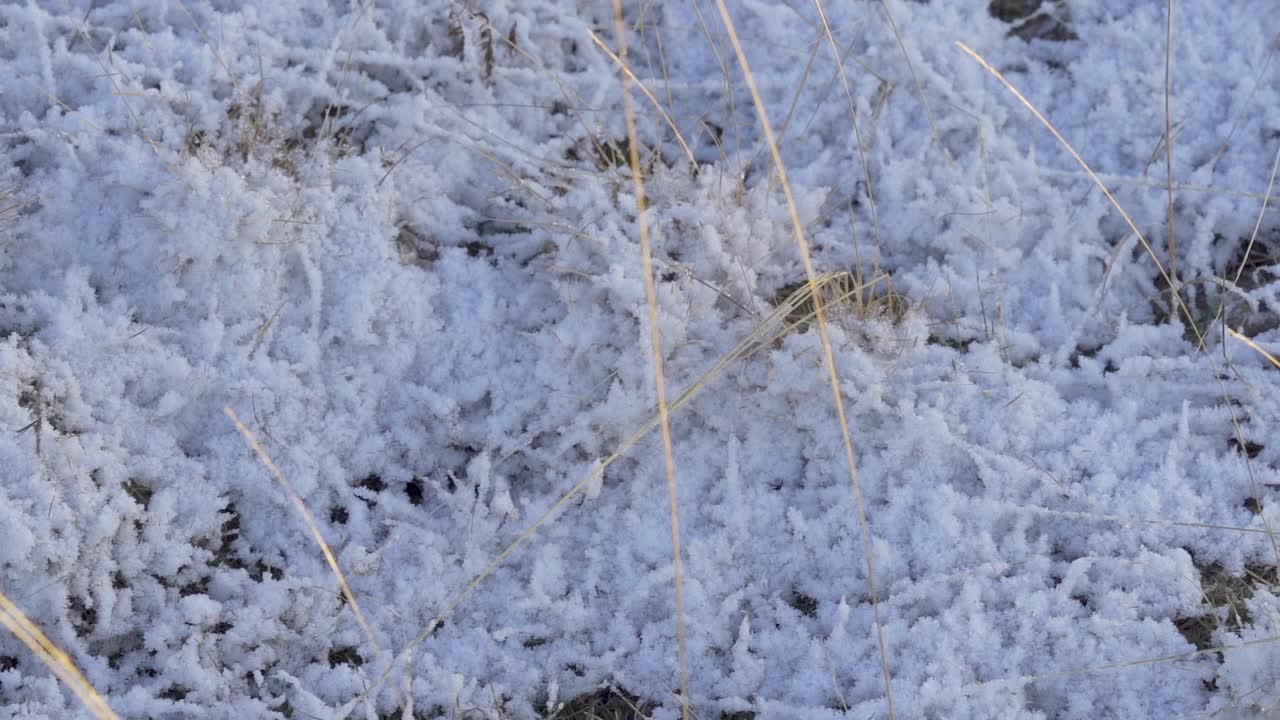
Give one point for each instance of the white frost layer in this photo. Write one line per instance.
(380, 234)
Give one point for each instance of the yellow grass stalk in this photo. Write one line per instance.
(1255, 346)
(312, 525)
(821, 315)
(58, 661)
(655, 342)
(1168, 143)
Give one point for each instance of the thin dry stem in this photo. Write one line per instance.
(327, 129)
(56, 100)
(1257, 81)
(915, 79)
(57, 659)
(1262, 211)
(1168, 145)
(1249, 341)
(853, 117)
(137, 122)
(795, 97)
(217, 55)
(655, 341)
(630, 77)
(1139, 662)
(312, 525)
(1164, 274)
(142, 30)
(1141, 182)
(820, 310)
(728, 84)
(1123, 520)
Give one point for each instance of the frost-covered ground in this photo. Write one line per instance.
(397, 239)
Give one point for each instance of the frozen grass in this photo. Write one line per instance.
(604, 704)
(398, 246)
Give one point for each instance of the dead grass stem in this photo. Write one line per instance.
(655, 342)
(54, 657)
(312, 525)
(820, 312)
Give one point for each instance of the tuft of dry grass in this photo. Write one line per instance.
(1225, 602)
(851, 296)
(606, 703)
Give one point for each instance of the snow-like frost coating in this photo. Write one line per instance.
(392, 236)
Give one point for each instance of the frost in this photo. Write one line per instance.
(399, 240)
(1249, 676)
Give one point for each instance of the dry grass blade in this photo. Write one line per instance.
(1262, 211)
(1248, 250)
(312, 525)
(142, 29)
(1255, 346)
(9, 203)
(1168, 144)
(1182, 187)
(1121, 519)
(820, 312)
(120, 93)
(853, 117)
(58, 661)
(56, 100)
(1139, 662)
(1164, 274)
(1242, 442)
(655, 342)
(915, 79)
(795, 97)
(1257, 82)
(327, 123)
(209, 43)
(630, 77)
(731, 105)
